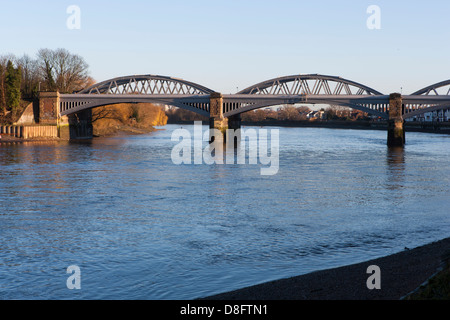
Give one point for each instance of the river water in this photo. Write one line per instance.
(141, 227)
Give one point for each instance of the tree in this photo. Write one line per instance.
(104, 113)
(30, 76)
(2, 90)
(289, 112)
(331, 113)
(303, 111)
(260, 115)
(62, 70)
(71, 71)
(12, 87)
(45, 58)
(4, 59)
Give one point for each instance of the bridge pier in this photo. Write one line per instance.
(48, 108)
(396, 131)
(74, 126)
(216, 118)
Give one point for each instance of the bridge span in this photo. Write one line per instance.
(224, 109)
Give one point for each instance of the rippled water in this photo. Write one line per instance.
(140, 227)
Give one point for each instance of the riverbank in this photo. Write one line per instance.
(10, 139)
(123, 130)
(402, 274)
(441, 128)
(126, 118)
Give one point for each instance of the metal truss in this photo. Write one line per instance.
(73, 103)
(310, 84)
(308, 89)
(147, 84)
(440, 88)
(374, 104)
(138, 89)
(432, 98)
(303, 89)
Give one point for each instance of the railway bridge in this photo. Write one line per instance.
(224, 110)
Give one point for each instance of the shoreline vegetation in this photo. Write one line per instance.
(127, 118)
(119, 119)
(22, 78)
(421, 273)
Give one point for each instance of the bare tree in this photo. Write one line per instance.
(71, 71)
(4, 58)
(62, 70)
(30, 75)
(103, 113)
(289, 112)
(45, 67)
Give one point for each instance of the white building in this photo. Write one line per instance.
(316, 115)
(433, 116)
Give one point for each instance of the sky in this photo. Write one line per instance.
(230, 45)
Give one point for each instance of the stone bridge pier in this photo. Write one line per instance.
(74, 126)
(396, 131)
(216, 118)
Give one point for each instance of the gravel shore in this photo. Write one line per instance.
(401, 274)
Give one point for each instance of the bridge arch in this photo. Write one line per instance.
(441, 88)
(139, 89)
(310, 84)
(433, 89)
(146, 84)
(378, 109)
(308, 89)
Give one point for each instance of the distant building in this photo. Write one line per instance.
(433, 116)
(316, 115)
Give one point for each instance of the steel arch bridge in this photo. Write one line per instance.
(138, 89)
(307, 89)
(431, 98)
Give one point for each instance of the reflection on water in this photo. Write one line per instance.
(396, 167)
(140, 227)
(396, 157)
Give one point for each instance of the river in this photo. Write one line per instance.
(139, 226)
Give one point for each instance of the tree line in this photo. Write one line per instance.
(21, 78)
(304, 113)
(283, 113)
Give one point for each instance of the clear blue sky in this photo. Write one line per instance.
(228, 44)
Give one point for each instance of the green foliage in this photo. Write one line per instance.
(12, 87)
(21, 78)
(2, 90)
